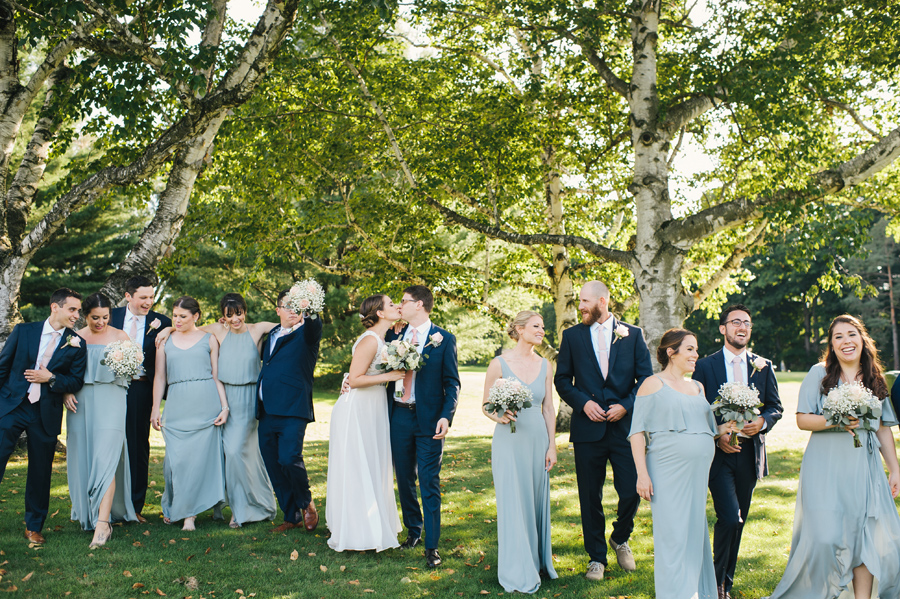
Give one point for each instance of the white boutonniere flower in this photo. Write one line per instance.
(155, 324)
(435, 340)
(620, 332)
(758, 364)
(73, 341)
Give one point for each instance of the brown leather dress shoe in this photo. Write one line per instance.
(311, 517)
(721, 591)
(141, 519)
(34, 537)
(285, 526)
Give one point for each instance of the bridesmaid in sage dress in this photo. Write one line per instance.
(247, 486)
(196, 409)
(521, 461)
(673, 469)
(96, 456)
(846, 528)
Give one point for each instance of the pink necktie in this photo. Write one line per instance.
(408, 377)
(133, 331)
(737, 370)
(34, 390)
(602, 351)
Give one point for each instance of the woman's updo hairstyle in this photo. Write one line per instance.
(186, 302)
(94, 300)
(520, 320)
(671, 339)
(368, 310)
(232, 304)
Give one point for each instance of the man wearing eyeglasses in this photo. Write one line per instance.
(735, 470)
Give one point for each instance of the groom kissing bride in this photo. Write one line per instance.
(419, 414)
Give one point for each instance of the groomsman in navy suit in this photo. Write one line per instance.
(284, 408)
(421, 413)
(141, 324)
(40, 362)
(735, 470)
(600, 366)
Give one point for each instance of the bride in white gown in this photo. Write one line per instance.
(361, 507)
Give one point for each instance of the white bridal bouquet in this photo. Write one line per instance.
(400, 355)
(738, 402)
(306, 297)
(124, 358)
(508, 394)
(851, 400)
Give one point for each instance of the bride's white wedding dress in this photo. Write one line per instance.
(360, 504)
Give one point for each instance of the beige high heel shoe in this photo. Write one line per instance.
(100, 541)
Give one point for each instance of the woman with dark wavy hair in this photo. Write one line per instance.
(846, 527)
(360, 504)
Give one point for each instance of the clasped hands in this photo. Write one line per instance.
(593, 411)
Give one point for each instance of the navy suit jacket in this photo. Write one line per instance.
(710, 372)
(437, 383)
(20, 354)
(579, 380)
(286, 377)
(117, 320)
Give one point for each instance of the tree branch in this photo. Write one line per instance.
(752, 240)
(684, 232)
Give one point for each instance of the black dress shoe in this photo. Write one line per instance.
(410, 542)
(432, 558)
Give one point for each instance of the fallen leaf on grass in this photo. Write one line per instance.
(240, 591)
(126, 573)
(312, 555)
(54, 513)
(191, 583)
(11, 589)
(368, 590)
(137, 585)
(483, 592)
(160, 593)
(171, 541)
(450, 571)
(323, 568)
(343, 568)
(28, 577)
(356, 581)
(406, 580)
(208, 549)
(294, 555)
(136, 544)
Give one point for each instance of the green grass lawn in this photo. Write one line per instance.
(217, 562)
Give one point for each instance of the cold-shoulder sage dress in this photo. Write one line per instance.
(96, 453)
(247, 484)
(681, 430)
(845, 515)
(194, 466)
(522, 486)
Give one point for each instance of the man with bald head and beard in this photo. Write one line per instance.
(600, 366)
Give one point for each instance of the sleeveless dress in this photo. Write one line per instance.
(194, 466)
(247, 484)
(360, 504)
(681, 429)
(522, 486)
(95, 442)
(845, 515)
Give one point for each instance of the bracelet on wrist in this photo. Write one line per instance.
(226, 409)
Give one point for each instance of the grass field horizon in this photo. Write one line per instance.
(215, 562)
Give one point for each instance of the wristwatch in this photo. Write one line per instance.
(52, 380)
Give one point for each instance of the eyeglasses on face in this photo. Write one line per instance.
(404, 300)
(741, 323)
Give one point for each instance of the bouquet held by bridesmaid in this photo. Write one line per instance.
(852, 401)
(508, 395)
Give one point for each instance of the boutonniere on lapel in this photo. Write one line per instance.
(620, 332)
(758, 364)
(72, 341)
(433, 341)
(155, 324)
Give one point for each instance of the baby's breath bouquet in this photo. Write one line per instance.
(852, 400)
(124, 358)
(400, 355)
(738, 402)
(508, 394)
(306, 297)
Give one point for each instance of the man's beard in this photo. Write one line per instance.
(737, 342)
(594, 315)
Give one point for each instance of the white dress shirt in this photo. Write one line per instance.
(607, 327)
(423, 330)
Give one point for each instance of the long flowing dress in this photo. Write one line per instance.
(681, 430)
(522, 486)
(845, 515)
(247, 484)
(96, 451)
(194, 466)
(360, 504)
